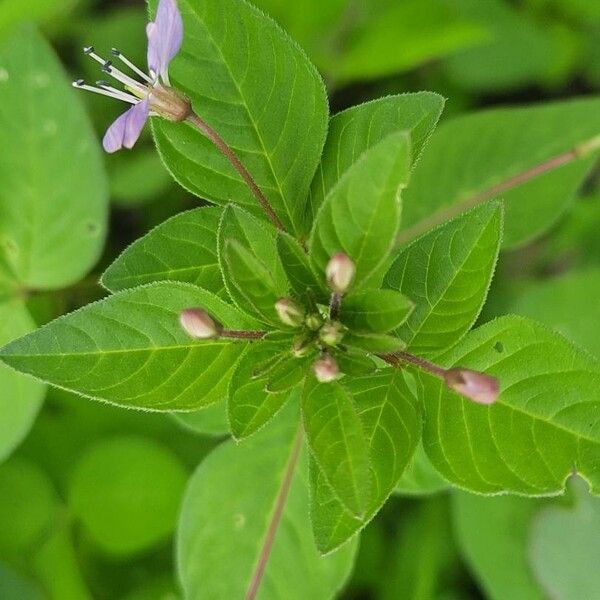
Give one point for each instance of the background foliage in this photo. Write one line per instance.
(90, 495)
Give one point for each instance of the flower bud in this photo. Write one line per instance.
(326, 369)
(313, 321)
(198, 324)
(289, 312)
(340, 272)
(302, 345)
(331, 333)
(479, 387)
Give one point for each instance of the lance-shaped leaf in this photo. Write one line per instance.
(338, 443)
(392, 426)
(361, 127)
(53, 205)
(130, 350)
(540, 428)
(250, 264)
(250, 406)
(21, 397)
(298, 269)
(497, 154)
(230, 516)
(379, 311)
(447, 273)
(182, 248)
(361, 214)
(253, 85)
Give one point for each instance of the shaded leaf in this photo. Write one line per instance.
(378, 311)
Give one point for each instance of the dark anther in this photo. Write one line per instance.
(106, 67)
(115, 52)
(88, 50)
(80, 82)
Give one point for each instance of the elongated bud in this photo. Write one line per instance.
(198, 324)
(479, 387)
(340, 273)
(289, 312)
(326, 369)
(313, 322)
(331, 333)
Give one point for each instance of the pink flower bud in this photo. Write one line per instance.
(198, 324)
(340, 272)
(479, 387)
(326, 369)
(289, 312)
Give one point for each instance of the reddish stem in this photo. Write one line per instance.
(242, 335)
(395, 358)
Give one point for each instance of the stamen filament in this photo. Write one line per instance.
(108, 67)
(122, 95)
(80, 85)
(132, 66)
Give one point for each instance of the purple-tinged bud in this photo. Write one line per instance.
(332, 333)
(198, 324)
(340, 272)
(289, 312)
(479, 387)
(326, 369)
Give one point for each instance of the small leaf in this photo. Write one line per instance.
(337, 440)
(356, 363)
(182, 248)
(298, 268)
(250, 405)
(447, 273)
(225, 41)
(373, 342)
(470, 155)
(354, 131)
(361, 214)
(236, 489)
(392, 425)
(378, 311)
(54, 193)
(538, 430)
(287, 374)
(113, 479)
(130, 350)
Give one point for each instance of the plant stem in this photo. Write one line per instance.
(395, 358)
(334, 305)
(276, 517)
(580, 151)
(242, 335)
(237, 164)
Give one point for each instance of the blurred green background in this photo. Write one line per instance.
(89, 501)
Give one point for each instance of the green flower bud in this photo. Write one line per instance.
(331, 333)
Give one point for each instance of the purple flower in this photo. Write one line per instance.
(152, 96)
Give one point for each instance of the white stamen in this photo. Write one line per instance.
(108, 67)
(132, 66)
(90, 88)
(120, 93)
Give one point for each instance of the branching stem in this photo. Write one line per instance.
(237, 164)
(397, 358)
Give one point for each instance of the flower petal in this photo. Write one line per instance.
(126, 130)
(165, 36)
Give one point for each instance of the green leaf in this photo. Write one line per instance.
(54, 190)
(130, 350)
(483, 155)
(354, 131)
(447, 273)
(378, 311)
(250, 264)
(250, 406)
(492, 534)
(21, 397)
(255, 86)
(211, 420)
(338, 442)
(227, 511)
(297, 267)
(14, 587)
(182, 248)
(402, 36)
(392, 426)
(564, 544)
(420, 477)
(355, 362)
(538, 430)
(373, 342)
(113, 480)
(567, 304)
(361, 214)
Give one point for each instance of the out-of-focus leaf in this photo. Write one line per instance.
(13, 12)
(211, 420)
(53, 200)
(421, 477)
(14, 587)
(468, 157)
(237, 488)
(564, 545)
(20, 396)
(492, 535)
(126, 493)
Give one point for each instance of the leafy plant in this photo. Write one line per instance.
(319, 311)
